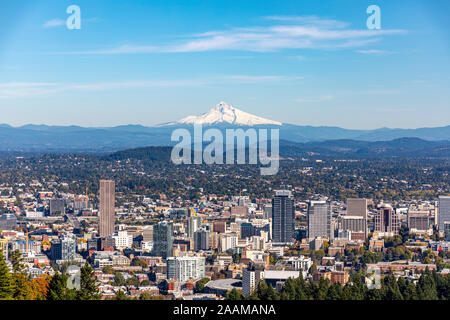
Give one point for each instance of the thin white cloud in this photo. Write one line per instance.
(374, 52)
(54, 23)
(36, 89)
(259, 78)
(309, 32)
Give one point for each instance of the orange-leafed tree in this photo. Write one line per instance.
(39, 287)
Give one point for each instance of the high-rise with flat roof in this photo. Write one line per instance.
(387, 220)
(107, 203)
(185, 268)
(283, 216)
(444, 212)
(202, 239)
(193, 224)
(319, 220)
(357, 207)
(418, 221)
(163, 239)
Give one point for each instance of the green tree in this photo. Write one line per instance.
(6, 287)
(88, 284)
(17, 261)
(58, 289)
(390, 289)
(404, 233)
(119, 279)
(21, 286)
(234, 294)
(200, 284)
(108, 270)
(121, 296)
(426, 287)
(334, 292)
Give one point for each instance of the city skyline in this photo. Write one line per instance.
(294, 62)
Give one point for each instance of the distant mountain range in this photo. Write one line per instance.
(45, 138)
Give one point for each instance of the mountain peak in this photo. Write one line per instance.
(226, 113)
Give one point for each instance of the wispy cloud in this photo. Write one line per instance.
(300, 32)
(375, 52)
(36, 89)
(259, 78)
(54, 23)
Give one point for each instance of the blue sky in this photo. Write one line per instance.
(303, 62)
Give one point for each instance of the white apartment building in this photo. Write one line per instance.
(185, 268)
(122, 240)
(228, 241)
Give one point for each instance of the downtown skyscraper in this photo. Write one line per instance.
(163, 239)
(444, 212)
(357, 207)
(319, 220)
(107, 205)
(283, 216)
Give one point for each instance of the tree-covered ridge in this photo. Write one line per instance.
(387, 179)
(430, 286)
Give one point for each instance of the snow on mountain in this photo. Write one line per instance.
(226, 113)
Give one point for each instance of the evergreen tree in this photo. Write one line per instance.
(272, 294)
(121, 296)
(262, 290)
(6, 288)
(334, 292)
(58, 289)
(426, 287)
(234, 295)
(390, 289)
(21, 287)
(88, 284)
(17, 261)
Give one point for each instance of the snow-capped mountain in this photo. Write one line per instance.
(226, 113)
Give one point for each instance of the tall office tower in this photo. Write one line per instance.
(352, 223)
(193, 224)
(444, 212)
(358, 208)
(387, 220)
(147, 234)
(418, 221)
(319, 220)
(57, 207)
(185, 268)
(163, 239)
(202, 239)
(107, 203)
(283, 216)
(447, 231)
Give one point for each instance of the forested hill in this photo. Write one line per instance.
(400, 148)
